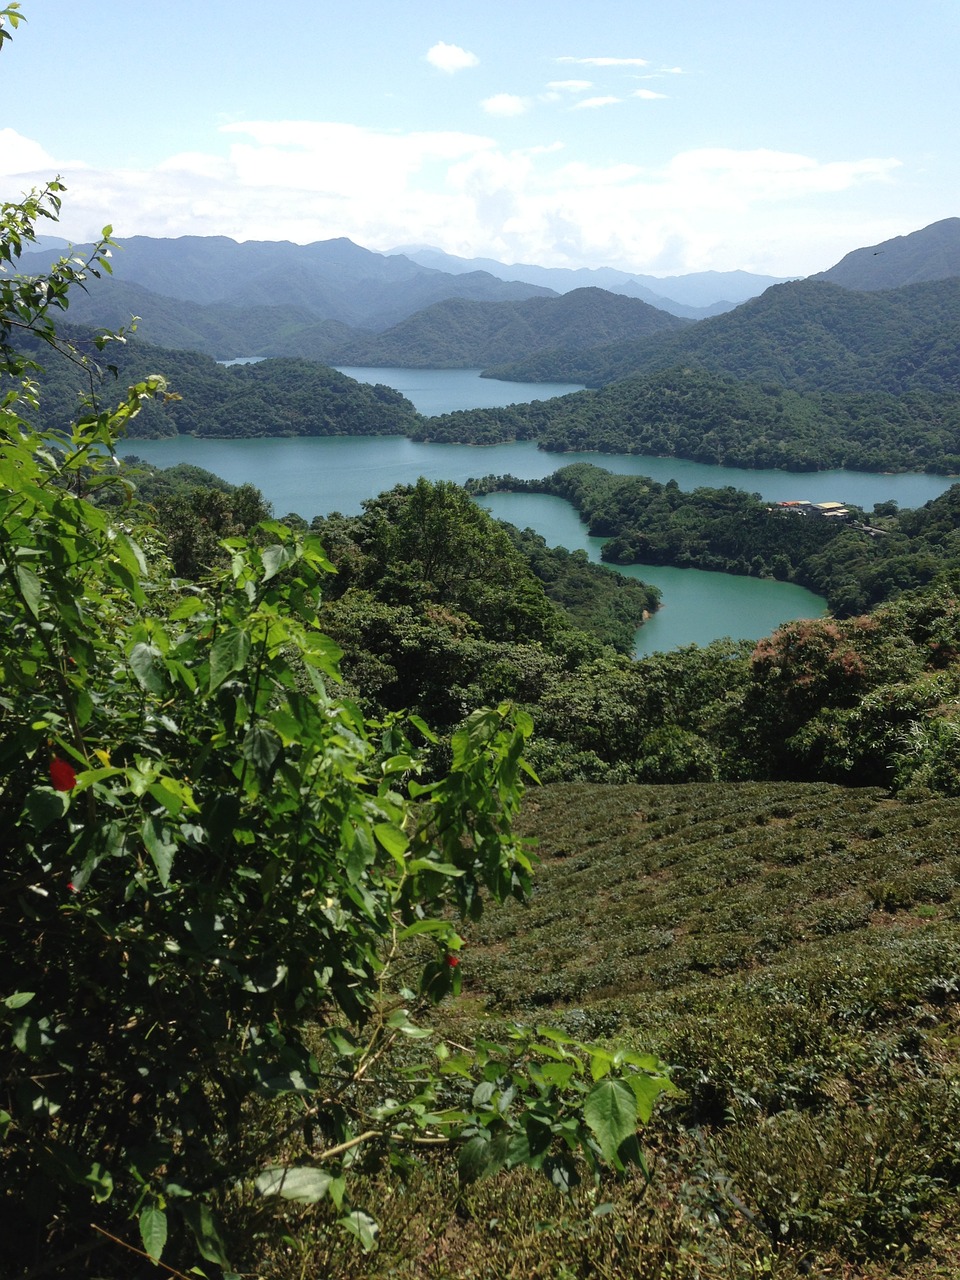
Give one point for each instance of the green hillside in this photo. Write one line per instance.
(687, 412)
(856, 562)
(807, 335)
(282, 397)
(933, 253)
(465, 334)
(794, 951)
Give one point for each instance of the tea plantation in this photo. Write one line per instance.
(794, 951)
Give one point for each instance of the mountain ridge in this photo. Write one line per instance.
(692, 296)
(454, 333)
(932, 253)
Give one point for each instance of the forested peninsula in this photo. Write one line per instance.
(856, 559)
(282, 397)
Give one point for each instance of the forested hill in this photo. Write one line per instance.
(708, 417)
(463, 334)
(808, 335)
(856, 563)
(272, 398)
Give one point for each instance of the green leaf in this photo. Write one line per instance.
(188, 607)
(160, 847)
(29, 588)
(610, 1110)
(300, 1183)
(363, 1227)
(203, 1225)
(153, 1231)
(476, 1158)
(562, 1172)
(392, 838)
(261, 746)
(100, 1182)
(647, 1089)
(275, 558)
(44, 807)
(228, 653)
(19, 999)
(144, 664)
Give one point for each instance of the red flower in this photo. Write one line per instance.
(453, 961)
(62, 775)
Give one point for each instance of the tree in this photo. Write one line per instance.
(227, 897)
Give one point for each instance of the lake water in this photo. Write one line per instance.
(318, 475)
(436, 391)
(697, 606)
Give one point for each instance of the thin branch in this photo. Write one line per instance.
(140, 1253)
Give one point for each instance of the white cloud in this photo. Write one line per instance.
(22, 155)
(450, 57)
(591, 103)
(718, 208)
(647, 94)
(504, 104)
(608, 62)
(737, 178)
(570, 86)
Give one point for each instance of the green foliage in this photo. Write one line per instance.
(856, 563)
(462, 333)
(816, 1131)
(437, 606)
(808, 335)
(228, 897)
(287, 397)
(719, 419)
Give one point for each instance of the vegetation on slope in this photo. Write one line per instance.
(437, 607)
(270, 398)
(463, 334)
(795, 952)
(855, 563)
(717, 419)
(806, 335)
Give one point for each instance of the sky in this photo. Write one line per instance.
(656, 136)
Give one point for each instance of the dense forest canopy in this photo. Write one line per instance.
(285, 397)
(437, 607)
(855, 561)
(807, 335)
(717, 419)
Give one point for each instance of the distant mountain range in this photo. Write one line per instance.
(808, 335)
(899, 330)
(325, 300)
(340, 304)
(329, 280)
(693, 296)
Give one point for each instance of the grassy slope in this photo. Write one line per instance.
(795, 951)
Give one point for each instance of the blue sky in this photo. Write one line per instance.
(657, 136)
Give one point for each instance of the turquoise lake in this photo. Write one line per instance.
(319, 475)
